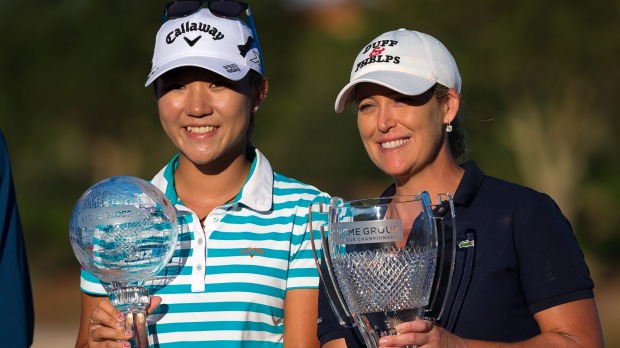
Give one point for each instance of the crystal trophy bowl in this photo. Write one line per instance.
(381, 259)
(123, 230)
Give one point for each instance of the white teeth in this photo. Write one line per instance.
(200, 130)
(393, 144)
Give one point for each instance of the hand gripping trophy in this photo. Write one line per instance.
(123, 230)
(384, 260)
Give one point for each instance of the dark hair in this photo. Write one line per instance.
(255, 83)
(457, 139)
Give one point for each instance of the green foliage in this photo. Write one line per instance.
(74, 108)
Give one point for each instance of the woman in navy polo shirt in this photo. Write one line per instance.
(520, 275)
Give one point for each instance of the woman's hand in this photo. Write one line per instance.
(102, 325)
(422, 334)
(105, 324)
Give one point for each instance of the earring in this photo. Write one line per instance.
(448, 128)
(255, 109)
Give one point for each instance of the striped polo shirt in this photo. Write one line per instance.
(225, 284)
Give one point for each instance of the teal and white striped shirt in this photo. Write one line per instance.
(225, 285)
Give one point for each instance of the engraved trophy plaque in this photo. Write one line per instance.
(123, 230)
(382, 260)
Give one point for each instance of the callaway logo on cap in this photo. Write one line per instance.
(406, 61)
(222, 45)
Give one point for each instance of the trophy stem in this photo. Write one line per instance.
(136, 321)
(132, 301)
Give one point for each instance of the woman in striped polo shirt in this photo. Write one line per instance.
(242, 274)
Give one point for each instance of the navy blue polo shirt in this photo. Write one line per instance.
(516, 255)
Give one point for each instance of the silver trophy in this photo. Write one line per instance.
(123, 230)
(384, 260)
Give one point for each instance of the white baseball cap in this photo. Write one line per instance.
(406, 61)
(222, 45)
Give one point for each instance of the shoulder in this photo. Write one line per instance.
(509, 190)
(293, 189)
(283, 184)
(507, 198)
(496, 190)
(519, 196)
(283, 181)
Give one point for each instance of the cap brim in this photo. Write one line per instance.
(398, 81)
(215, 64)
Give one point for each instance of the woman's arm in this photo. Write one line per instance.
(300, 313)
(573, 324)
(338, 343)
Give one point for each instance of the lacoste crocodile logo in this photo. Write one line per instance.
(466, 244)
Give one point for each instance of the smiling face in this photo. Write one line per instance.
(402, 134)
(205, 115)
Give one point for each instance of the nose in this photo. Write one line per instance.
(198, 102)
(385, 119)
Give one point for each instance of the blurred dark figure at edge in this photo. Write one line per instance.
(17, 320)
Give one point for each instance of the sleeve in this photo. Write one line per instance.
(17, 323)
(328, 327)
(302, 266)
(553, 268)
(90, 284)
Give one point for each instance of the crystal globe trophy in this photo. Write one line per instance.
(381, 260)
(123, 230)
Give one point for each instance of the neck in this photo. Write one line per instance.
(202, 189)
(441, 176)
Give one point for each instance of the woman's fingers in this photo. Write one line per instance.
(155, 301)
(409, 334)
(106, 315)
(418, 325)
(107, 327)
(103, 334)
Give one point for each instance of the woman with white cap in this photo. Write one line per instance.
(242, 274)
(520, 277)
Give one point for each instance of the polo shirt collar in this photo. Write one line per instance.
(164, 180)
(467, 189)
(256, 192)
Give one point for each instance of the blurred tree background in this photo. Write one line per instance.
(540, 84)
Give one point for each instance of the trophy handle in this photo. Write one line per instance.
(324, 264)
(443, 277)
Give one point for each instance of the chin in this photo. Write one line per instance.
(394, 171)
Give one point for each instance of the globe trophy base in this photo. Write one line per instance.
(132, 302)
